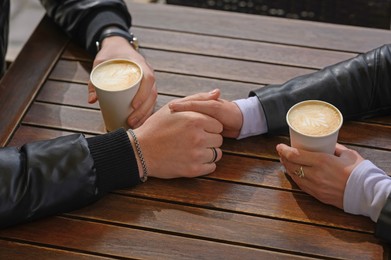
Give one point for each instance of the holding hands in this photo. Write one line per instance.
(321, 175)
(226, 112)
(189, 139)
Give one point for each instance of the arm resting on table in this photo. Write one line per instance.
(359, 88)
(50, 177)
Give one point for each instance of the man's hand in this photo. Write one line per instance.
(144, 102)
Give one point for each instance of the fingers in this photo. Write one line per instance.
(293, 155)
(210, 159)
(203, 169)
(210, 108)
(141, 114)
(212, 140)
(301, 157)
(144, 92)
(92, 97)
(214, 154)
(211, 125)
(204, 96)
(339, 148)
(186, 103)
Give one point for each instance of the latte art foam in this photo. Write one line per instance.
(315, 119)
(116, 75)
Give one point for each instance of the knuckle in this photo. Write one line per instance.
(154, 92)
(289, 155)
(220, 140)
(194, 170)
(198, 140)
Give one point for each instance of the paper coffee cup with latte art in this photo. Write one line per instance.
(116, 83)
(314, 126)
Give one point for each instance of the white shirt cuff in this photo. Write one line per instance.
(254, 120)
(366, 191)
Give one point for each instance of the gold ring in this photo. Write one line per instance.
(300, 172)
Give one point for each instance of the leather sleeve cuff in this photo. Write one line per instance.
(274, 106)
(100, 20)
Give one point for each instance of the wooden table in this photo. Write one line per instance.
(247, 209)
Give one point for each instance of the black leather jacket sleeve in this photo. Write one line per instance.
(54, 176)
(83, 20)
(359, 88)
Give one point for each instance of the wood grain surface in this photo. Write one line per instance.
(248, 208)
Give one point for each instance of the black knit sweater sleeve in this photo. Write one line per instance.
(114, 160)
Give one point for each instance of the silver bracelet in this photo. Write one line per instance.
(140, 155)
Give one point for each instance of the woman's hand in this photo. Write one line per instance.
(325, 175)
(227, 113)
(144, 102)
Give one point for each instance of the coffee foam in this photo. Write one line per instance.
(116, 75)
(314, 119)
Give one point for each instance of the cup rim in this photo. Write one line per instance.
(114, 60)
(316, 101)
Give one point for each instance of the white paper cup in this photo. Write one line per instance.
(116, 83)
(314, 126)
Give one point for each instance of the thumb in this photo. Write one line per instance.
(92, 97)
(339, 148)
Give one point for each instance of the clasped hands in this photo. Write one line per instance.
(204, 121)
(326, 175)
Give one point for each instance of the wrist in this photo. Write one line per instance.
(116, 32)
(116, 43)
(139, 166)
(142, 167)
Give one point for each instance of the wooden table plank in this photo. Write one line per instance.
(238, 48)
(66, 93)
(195, 65)
(22, 251)
(248, 208)
(232, 228)
(26, 134)
(19, 86)
(258, 28)
(252, 200)
(119, 241)
(67, 118)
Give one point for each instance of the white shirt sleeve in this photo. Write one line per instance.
(254, 120)
(367, 190)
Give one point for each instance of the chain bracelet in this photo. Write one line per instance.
(140, 155)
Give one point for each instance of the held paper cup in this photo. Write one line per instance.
(116, 83)
(314, 126)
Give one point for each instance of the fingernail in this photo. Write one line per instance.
(213, 91)
(91, 97)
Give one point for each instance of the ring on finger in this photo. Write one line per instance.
(300, 172)
(214, 155)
